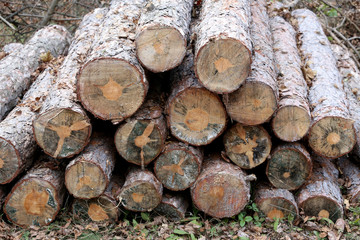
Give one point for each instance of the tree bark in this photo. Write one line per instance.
(223, 47)
(178, 166)
(3, 194)
(351, 172)
(63, 129)
(162, 34)
(12, 47)
(292, 119)
(195, 115)
(247, 146)
(331, 132)
(289, 166)
(17, 67)
(275, 202)
(89, 174)
(141, 191)
(112, 84)
(173, 206)
(221, 190)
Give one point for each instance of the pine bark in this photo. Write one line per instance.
(63, 129)
(292, 119)
(89, 174)
(162, 34)
(331, 132)
(247, 146)
(275, 202)
(223, 47)
(351, 172)
(178, 166)
(221, 190)
(289, 166)
(112, 84)
(17, 67)
(173, 206)
(141, 191)
(257, 99)
(195, 115)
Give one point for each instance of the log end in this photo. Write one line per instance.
(322, 207)
(278, 207)
(9, 161)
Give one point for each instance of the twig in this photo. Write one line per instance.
(49, 13)
(7, 23)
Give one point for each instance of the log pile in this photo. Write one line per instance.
(174, 140)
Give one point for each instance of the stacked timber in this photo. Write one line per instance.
(173, 206)
(351, 172)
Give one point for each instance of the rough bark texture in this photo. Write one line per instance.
(221, 190)
(292, 119)
(321, 196)
(275, 202)
(256, 100)
(247, 146)
(162, 34)
(12, 47)
(289, 166)
(17, 142)
(112, 84)
(18, 66)
(223, 47)
(142, 137)
(351, 172)
(178, 166)
(351, 80)
(89, 174)
(141, 191)
(195, 115)
(63, 128)
(331, 133)
(173, 206)
(3, 194)
(37, 198)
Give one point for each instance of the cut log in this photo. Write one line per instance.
(223, 47)
(36, 198)
(162, 34)
(3, 194)
(89, 174)
(63, 129)
(256, 100)
(289, 166)
(247, 146)
(112, 84)
(321, 196)
(275, 202)
(142, 137)
(17, 67)
(292, 119)
(178, 166)
(222, 189)
(141, 191)
(351, 172)
(331, 132)
(195, 115)
(103, 208)
(173, 206)
(12, 47)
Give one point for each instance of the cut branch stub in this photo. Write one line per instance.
(247, 146)
(173, 206)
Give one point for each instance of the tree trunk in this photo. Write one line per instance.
(103, 208)
(321, 196)
(89, 174)
(275, 202)
(162, 34)
(292, 119)
(178, 166)
(223, 47)
(247, 146)
(63, 129)
(222, 189)
(112, 84)
(351, 172)
(17, 67)
(331, 132)
(141, 191)
(289, 166)
(173, 206)
(142, 137)
(256, 100)
(36, 198)
(195, 115)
